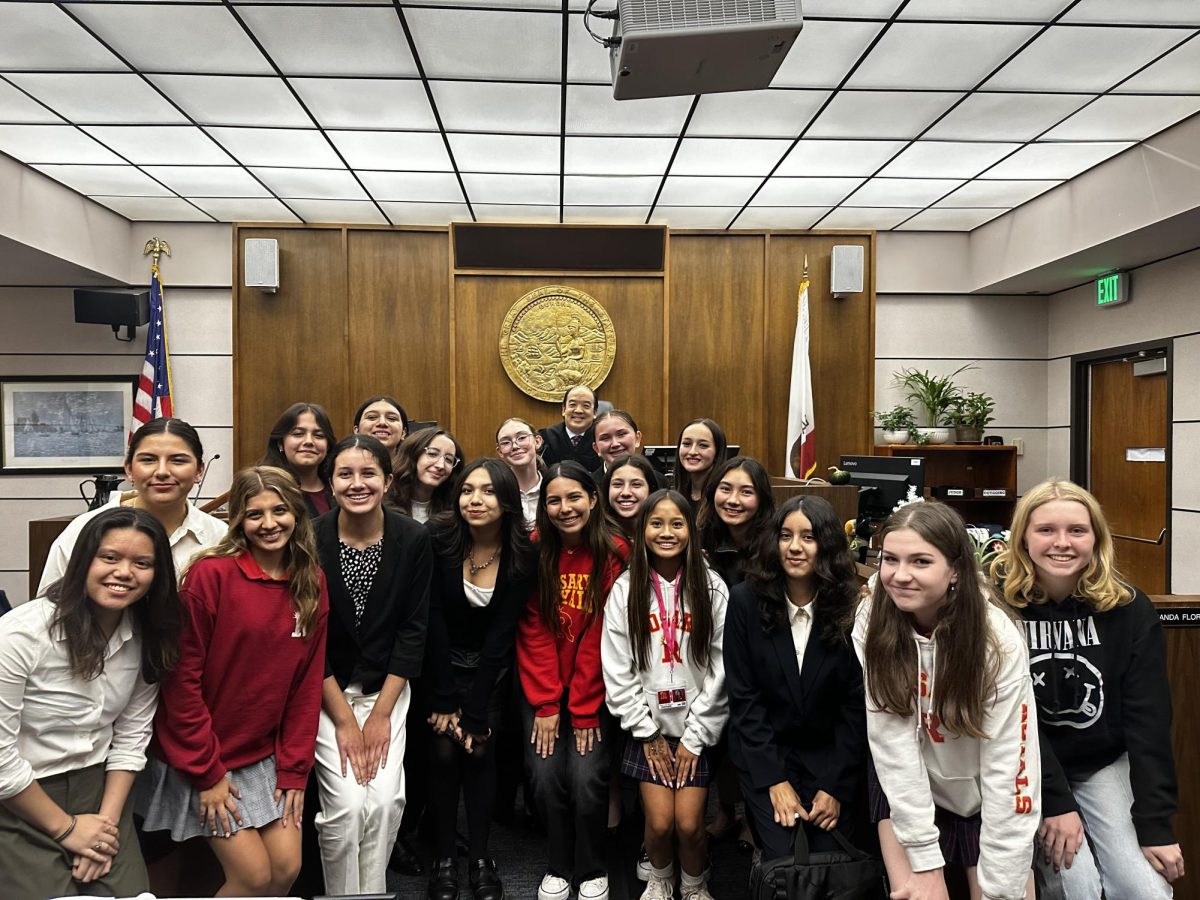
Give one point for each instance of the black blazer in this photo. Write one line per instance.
(806, 726)
(391, 638)
(556, 447)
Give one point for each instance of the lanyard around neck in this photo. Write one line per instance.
(668, 624)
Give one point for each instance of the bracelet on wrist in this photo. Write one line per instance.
(67, 830)
(654, 737)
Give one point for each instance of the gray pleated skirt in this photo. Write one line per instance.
(168, 801)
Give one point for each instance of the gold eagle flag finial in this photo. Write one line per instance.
(157, 247)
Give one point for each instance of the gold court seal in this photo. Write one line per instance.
(555, 337)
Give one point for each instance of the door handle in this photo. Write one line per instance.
(1137, 540)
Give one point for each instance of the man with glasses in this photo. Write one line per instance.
(573, 437)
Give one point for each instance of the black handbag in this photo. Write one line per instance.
(846, 874)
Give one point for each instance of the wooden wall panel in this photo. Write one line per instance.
(399, 320)
(486, 396)
(716, 337)
(290, 345)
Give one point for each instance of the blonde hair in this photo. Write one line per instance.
(304, 573)
(1100, 583)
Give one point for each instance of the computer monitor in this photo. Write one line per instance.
(883, 481)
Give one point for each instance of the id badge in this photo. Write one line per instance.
(672, 698)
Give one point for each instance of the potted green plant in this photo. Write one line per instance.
(935, 394)
(897, 424)
(971, 413)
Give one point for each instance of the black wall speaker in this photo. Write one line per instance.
(113, 308)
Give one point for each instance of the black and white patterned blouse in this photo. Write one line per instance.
(358, 571)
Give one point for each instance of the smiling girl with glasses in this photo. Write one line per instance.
(426, 463)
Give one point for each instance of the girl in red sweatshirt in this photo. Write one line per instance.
(237, 721)
(558, 656)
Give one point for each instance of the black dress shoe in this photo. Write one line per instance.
(485, 883)
(443, 883)
(405, 859)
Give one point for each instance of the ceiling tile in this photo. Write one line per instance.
(17, 108)
(471, 43)
(1005, 117)
(52, 144)
(427, 213)
(617, 156)
(245, 209)
(153, 209)
(824, 52)
(690, 190)
(332, 40)
(208, 181)
(727, 156)
(591, 109)
(311, 184)
(999, 194)
(946, 159)
(880, 114)
(605, 215)
(161, 144)
(866, 9)
(505, 153)
(1124, 118)
(235, 100)
(1059, 161)
(124, 181)
(881, 219)
(42, 36)
(395, 150)
(1084, 57)
(693, 216)
(811, 157)
(517, 189)
(423, 187)
(805, 191)
(555, 5)
(957, 11)
(351, 212)
(98, 97)
(937, 55)
(949, 219)
(277, 147)
(491, 106)
(1159, 12)
(780, 216)
(599, 190)
(490, 212)
(901, 191)
(586, 60)
(174, 37)
(1178, 72)
(367, 102)
(770, 113)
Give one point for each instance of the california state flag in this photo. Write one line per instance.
(801, 440)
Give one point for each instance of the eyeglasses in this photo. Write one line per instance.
(435, 453)
(517, 440)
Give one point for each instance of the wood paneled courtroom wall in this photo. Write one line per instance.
(363, 311)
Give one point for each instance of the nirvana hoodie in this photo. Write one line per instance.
(1101, 684)
(921, 765)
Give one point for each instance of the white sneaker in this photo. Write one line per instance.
(555, 888)
(700, 892)
(594, 888)
(659, 888)
(643, 864)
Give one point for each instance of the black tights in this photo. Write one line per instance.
(452, 770)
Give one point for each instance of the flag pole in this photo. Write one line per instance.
(157, 247)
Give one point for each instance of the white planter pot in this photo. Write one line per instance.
(938, 435)
(895, 437)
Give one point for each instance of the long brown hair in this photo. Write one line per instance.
(406, 457)
(683, 478)
(596, 537)
(695, 586)
(967, 654)
(304, 572)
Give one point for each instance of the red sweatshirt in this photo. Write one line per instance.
(246, 685)
(549, 663)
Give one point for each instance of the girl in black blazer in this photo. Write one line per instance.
(797, 729)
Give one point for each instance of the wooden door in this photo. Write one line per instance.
(1129, 425)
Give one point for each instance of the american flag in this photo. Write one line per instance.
(153, 398)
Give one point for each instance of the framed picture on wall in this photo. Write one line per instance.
(64, 424)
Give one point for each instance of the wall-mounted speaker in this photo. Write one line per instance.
(262, 264)
(846, 270)
(114, 308)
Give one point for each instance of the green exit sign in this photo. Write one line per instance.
(1112, 289)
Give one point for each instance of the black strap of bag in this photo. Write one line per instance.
(845, 874)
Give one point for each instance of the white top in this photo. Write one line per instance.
(477, 596)
(920, 764)
(801, 621)
(52, 721)
(420, 510)
(529, 501)
(199, 531)
(632, 695)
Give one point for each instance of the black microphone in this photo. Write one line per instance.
(200, 483)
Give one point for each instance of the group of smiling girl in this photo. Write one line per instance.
(374, 597)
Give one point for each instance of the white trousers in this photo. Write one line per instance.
(357, 824)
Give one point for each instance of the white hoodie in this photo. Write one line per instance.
(632, 694)
(1000, 775)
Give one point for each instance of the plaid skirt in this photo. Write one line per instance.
(169, 802)
(958, 835)
(633, 764)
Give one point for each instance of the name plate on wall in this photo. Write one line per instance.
(1179, 617)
